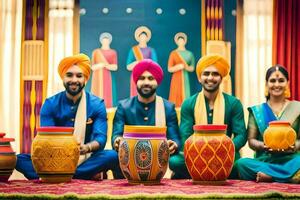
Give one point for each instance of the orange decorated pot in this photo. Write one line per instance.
(279, 135)
(55, 154)
(8, 158)
(144, 154)
(209, 154)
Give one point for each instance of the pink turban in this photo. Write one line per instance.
(81, 60)
(150, 66)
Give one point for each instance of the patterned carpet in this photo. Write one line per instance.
(169, 189)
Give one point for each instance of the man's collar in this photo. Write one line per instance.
(148, 103)
(71, 100)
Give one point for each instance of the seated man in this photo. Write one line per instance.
(146, 108)
(85, 112)
(210, 106)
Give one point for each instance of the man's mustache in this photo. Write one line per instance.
(70, 84)
(146, 86)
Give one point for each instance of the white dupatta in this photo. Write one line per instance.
(80, 126)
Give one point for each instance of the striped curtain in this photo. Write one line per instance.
(214, 19)
(33, 69)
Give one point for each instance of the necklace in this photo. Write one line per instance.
(278, 108)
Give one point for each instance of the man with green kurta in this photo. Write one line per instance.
(210, 106)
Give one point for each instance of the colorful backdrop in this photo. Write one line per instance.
(122, 26)
(164, 26)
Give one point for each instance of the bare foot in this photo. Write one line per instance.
(261, 177)
(98, 177)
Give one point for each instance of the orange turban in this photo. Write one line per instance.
(216, 60)
(81, 60)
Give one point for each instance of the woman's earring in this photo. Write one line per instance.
(266, 91)
(287, 92)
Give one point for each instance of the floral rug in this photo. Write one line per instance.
(168, 189)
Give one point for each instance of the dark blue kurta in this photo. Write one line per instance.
(133, 112)
(58, 110)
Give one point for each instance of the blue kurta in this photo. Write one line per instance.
(133, 112)
(58, 110)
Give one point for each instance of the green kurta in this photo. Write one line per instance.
(234, 118)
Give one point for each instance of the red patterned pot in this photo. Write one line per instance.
(55, 154)
(144, 154)
(8, 158)
(209, 154)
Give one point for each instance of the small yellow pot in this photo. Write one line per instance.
(279, 135)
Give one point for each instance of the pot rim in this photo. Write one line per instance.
(210, 127)
(145, 129)
(279, 123)
(5, 140)
(55, 129)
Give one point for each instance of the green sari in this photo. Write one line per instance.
(281, 167)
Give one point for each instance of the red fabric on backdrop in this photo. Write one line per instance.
(286, 40)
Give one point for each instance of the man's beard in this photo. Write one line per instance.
(211, 89)
(76, 91)
(146, 94)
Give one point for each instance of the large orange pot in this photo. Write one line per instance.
(144, 154)
(8, 158)
(209, 154)
(279, 135)
(55, 154)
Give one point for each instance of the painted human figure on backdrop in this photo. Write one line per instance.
(272, 164)
(147, 108)
(139, 52)
(181, 61)
(104, 60)
(86, 113)
(210, 106)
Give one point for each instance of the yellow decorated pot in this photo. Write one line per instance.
(8, 158)
(55, 154)
(209, 154)
(144, 154)
(279, 135)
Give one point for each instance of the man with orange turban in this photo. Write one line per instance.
(210, 106)
(147, 108)
(86, 113)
